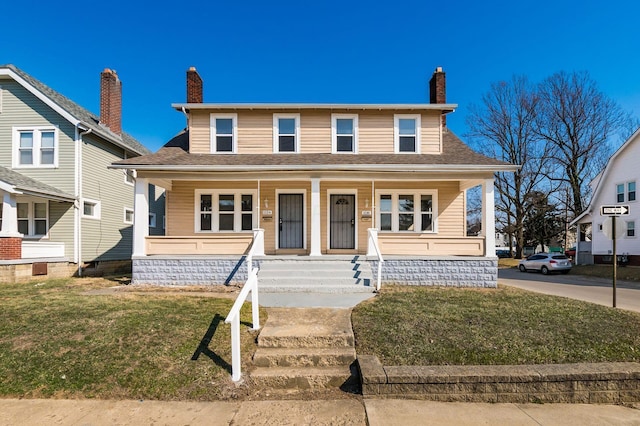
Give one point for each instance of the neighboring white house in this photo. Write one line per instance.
(615, 185)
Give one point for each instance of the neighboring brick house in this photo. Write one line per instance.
(316, 180)
(616, 184)
(62, 208)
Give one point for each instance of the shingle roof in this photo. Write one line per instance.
(175, 154)
(26, 184)
(92, 120)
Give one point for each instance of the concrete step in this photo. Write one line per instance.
(315, 286)
(277, 265)
(303, 357)
(301, 378)
(307, 274)
(326, 341)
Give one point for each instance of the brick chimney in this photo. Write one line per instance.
(111, 100)
(438, 90)
(194, 86)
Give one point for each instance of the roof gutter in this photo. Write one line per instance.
(271, 106)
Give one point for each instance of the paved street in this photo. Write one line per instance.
(595, 290)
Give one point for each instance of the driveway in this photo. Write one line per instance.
(580, 287)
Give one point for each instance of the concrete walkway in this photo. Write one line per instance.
(353, 411)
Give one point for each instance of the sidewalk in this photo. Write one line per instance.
(371, 412)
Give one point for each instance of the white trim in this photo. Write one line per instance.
(96, 208)
(237, 209)
(316, 245)
(276, 221)
(396, 132)
(489, 218)
(276, 132)
(417, 214)
(124, 219)
(140, 216)
(213, 145)
(334, 133)
(353, 192)
(36, 147)
(635, 232)
(1, 99)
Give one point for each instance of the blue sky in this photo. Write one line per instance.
(327, 51)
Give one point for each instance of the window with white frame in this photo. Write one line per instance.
(631, 191)
(90, 209)
(620, 193)
(225, 211)
(224, 129)
(406, 133)
(286, 132)
(631, 228)
(33, 218)
(407, 211)
(35, 147)
(344, 133)
(128, 216)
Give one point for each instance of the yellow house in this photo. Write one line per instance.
(315, 181)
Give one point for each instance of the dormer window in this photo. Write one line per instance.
(224, 129)
(406, 132)
(286, 132)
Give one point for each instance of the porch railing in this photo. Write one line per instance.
(373, 249)
(251, 285)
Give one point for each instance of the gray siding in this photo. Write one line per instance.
(21, 108)
(108, 238)
(61, 225)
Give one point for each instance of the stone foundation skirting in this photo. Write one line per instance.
(156, 270)
(226, 270)
(599, 383)
(440, 271)
(20, 271)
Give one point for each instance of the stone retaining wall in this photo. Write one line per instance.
(445, 271)
(610, 383)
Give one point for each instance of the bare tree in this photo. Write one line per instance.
(578, 122)
(503, 128)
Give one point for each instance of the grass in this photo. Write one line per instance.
(56, 341)
(440, 326)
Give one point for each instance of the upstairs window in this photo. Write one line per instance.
(35, 147)
(406, 132)
(620, 193)
(344, 129)
(286, 132)
(631, 191)
(224, 133)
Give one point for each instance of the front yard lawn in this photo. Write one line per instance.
(444, 326)
(56, 341)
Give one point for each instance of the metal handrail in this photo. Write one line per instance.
(234, 318)
(373, 244)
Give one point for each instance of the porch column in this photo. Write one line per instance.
(315, 218)
(140, 216)
(9, 216)
(488, 218)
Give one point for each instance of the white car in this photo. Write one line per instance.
(545, 263)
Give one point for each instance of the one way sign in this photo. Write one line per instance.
(614, 210)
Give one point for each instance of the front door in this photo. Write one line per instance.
(290, 221)
(342, 222)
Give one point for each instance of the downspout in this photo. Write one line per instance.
(79, 199)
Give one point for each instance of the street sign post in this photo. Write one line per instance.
(614, 211)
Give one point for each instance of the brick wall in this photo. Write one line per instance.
(10, 248)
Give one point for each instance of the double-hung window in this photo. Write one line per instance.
(224, 130)
(405, 211)
(406, 133)
(286, 132)
(225, 211)
(33, 218)
(344, 133)
(35, 147)
(630, 192)
(631, 228)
